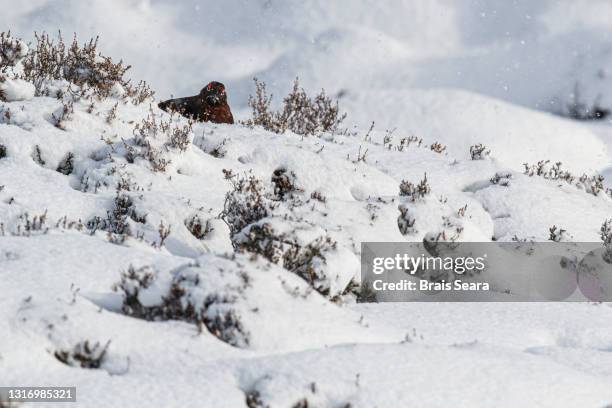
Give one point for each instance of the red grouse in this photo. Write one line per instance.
(210, 105)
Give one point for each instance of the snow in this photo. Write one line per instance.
(453, 73)
(16, 90)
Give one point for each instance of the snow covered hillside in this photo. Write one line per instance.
(526, 52)
(152, 261)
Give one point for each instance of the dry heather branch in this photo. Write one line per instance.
(216, 311)
(501, 179)
(82, 65)
(245, 204)
(84, 355)
(284, 183)
(300, 113)
(66, 166)
(593, 184)
(406, 141)
(406, 220)
(151, 133)
(198, 227)
(606, 237)
(307, 260)
(418, 192)
(558, 234)
(11, 52)
(437, 147)
(479, 152)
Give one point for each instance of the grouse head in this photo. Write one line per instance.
(214, 93)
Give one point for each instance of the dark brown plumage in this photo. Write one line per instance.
(210, 105)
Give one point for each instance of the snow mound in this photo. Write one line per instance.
(459, 119)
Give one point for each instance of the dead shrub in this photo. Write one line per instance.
(317, 195)
(479, 152)
(66, 166)
(245, 204)
(501, 179)
(11, 52)
(84, 354)
(198, 228)
(284, 183)
(82, 65)
(306, 260)
(606, 237)
(215, 312)
(37, 156)
(406, 220)
(415, 193)
(405, 143)
(117, 220)
(437, 147)
(593, 184)
(27, 226)
(300, 113)
(558, 234)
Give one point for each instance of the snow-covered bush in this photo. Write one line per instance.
(133, 281)
(120, 219)
(501, 179)
(543, 168)
(12, 86)
(300, 113)
(245, 204)
(406, 220)
(12, 51)
(414, 193)
(479, 152)
(606, 237)
(47, 67)
(266, 221)
(289, 391)
(405, 143)
(590, 184)
(152, 137)
(181, 300)
(450, 231)
(63, 114)
(180, 137)
(37, 156)
(317, 195)
(218, 150)
(437, 147)
(82, 65)
(297, 246)
(558, 234)
(84, 354)
(27, 226)
(284, 183)
(66, 166)
(198, 227)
